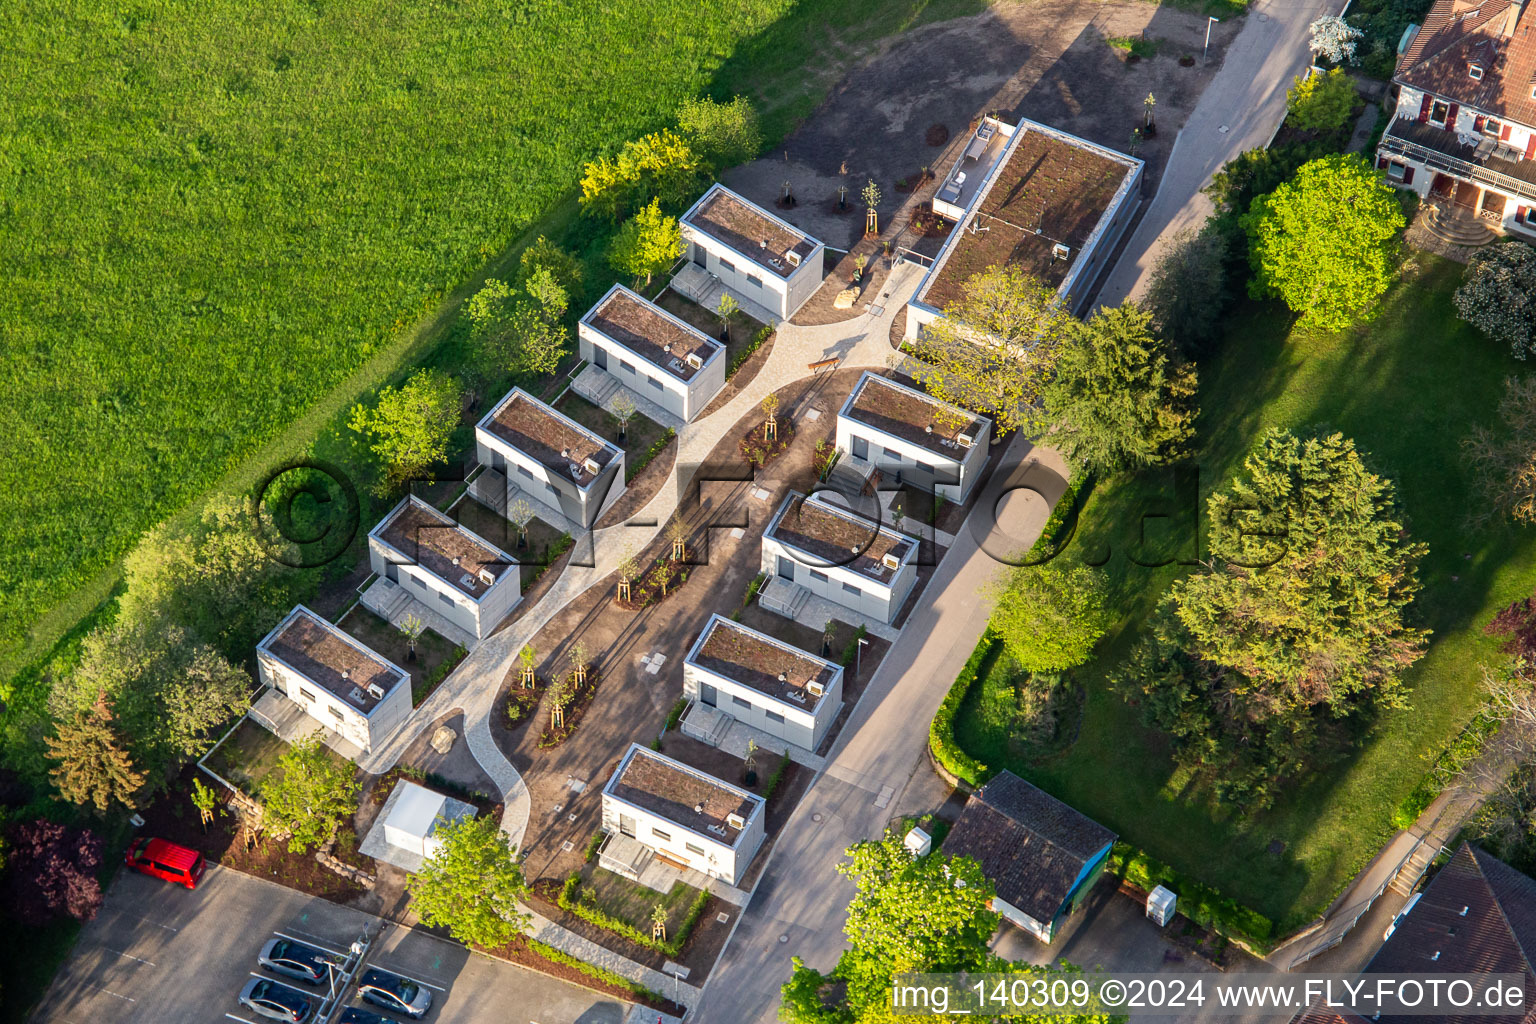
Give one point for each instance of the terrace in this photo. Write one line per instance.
(943, 429)
(331, 659)
(839, 538)
(765, 240)
(756, 660)
(682, 795)
(444, 548)
(556, 442)
(972, 169)
(1041, 210)
(651, 333)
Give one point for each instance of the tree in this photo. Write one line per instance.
(92, 766)
(623, 409)
(519, 329)
(1311, 575)
(205, 800)
(647, 244)
(411, 627)
(726, 308)
(520, 514)
(1187, 293)
(1498, 294)
(724, 134)
(214, 574)
(1049, 617)
(1116, 401)
(545, 255)
(51, 870)
(410, 426)
(1325, 242)
(992, 349)
(308, 795)
(1333, 39)
(471, 885)
(1321, 102)
(1503, 461)
(660, 164)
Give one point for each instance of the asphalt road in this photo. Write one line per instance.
(879, 769)
(159, 953)
(1239, 110)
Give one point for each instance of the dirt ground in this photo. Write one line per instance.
(1046, 61)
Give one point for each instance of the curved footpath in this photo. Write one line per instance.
(471, 689)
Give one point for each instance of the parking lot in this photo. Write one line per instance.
(158, 952)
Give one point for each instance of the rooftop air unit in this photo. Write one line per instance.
(815, 689)
(694, 361)
(375, 691)
(735, 821)
(890, 561)
(487, 577)
(793, 258)
(1060, 251)
(591, 466)
(966, 439)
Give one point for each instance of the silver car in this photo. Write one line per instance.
(276, 1001)
(393, 992)
(295, 960)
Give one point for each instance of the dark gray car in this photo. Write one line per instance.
(295, 960)
(402, 995)
(276, 1001)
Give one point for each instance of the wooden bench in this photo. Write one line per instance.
(824, 364)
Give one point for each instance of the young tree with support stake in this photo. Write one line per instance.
(520, 515)
(623, 410)
(411, 627)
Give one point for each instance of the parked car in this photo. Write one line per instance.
(295, 960)
(395, 993)
(276, 1001)
(161, 858)
(357, 1015)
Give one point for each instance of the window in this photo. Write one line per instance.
(655, 383)
(417, 582)
(659, 834)
(891, 453)
(819, 577)
(1395, 171)
(726, 264)
(306, 695)
(694, 849)
(774, 716)
(1475, 72)
(626, 366)
(923, 467)
(335, 712)
(740, 701)
(755, 282)
(1492, 127)
(524, 471)
(1439, 111)
(849, 588)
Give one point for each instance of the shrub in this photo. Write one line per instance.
(772, 782)
(851, 651)
(571, 902)
(590, 854)
(1452, 761)
(1321, 102)
(677, 712)
(1200, 903)
(632, 470)
(1498, 295)
(761, 338)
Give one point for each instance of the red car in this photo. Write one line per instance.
(164, 859)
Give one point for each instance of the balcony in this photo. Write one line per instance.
(1489, 162)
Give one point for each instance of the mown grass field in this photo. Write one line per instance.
(1407, 388)
(213, 214)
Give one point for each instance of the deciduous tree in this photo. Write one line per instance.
(1050, 616)
(471, 885)
(308, 795)
(1503, 461)
(51, 870)
(1321, 102)
(1116, 400)
(992, 349)
(647, 244)
(660, 164)
(92, 767)
(1334, 39)
(1325, 242)
(1187, 292)
(725, 134)
(410, 426)
(1498, 294)
(545, 255)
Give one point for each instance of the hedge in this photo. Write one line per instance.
(571, 903)
(776, 777)
(633, 469)
(602, 974)
(763, 334)
(1200, 903)
(941, 731)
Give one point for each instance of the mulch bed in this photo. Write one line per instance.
(521, 702)
(758, 450)
(698, 954)
(647, 590)
(928, 224)
(518, 952)
(913, 182)
(574, 711)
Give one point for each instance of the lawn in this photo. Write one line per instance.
(266, 209)
(640, 438)
(248, 756)
(634, 903)
(436, 655)
(1407, 388)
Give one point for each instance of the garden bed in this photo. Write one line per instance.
(757, 449)
(436, 655)
(575, 708)
(647, 590)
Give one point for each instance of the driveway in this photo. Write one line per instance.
(1240, 110)
(878, 771)
(160, 953)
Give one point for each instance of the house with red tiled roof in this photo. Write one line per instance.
(1464, 131)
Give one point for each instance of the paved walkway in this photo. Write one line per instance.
(473, 686)
(567, 941)
(1241, 109)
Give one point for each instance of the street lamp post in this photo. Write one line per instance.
(1205, 55)
(858, 655)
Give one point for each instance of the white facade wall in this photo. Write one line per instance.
(334, 713)
(919, 466)
(840, 584)
(684, 399)
(528, 474)
(795, 723)
(700, 850)
(746, 277)
(1015, 916)
(478, 618)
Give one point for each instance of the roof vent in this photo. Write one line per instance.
(667, 347)
(693, 360)
(928, 429)
(455, 559)
(698, 808)
(565, 453)
(1060, 251)
(793, 258)
(1475, 72)
(783, 678)
(375, 691)
(815, 689)
(1464, 911)
(763, 244)
(591, 466)
(890, 561)
(735, 821)
(853, 548)
(487, 577)
(575, 471)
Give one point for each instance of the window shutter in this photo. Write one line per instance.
(1424, 109)
(1408, 176)
(1504, 134)
(1530, 146)
(1450, 117)
(1381, 163)
(1520, 214)
(1477, 123)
